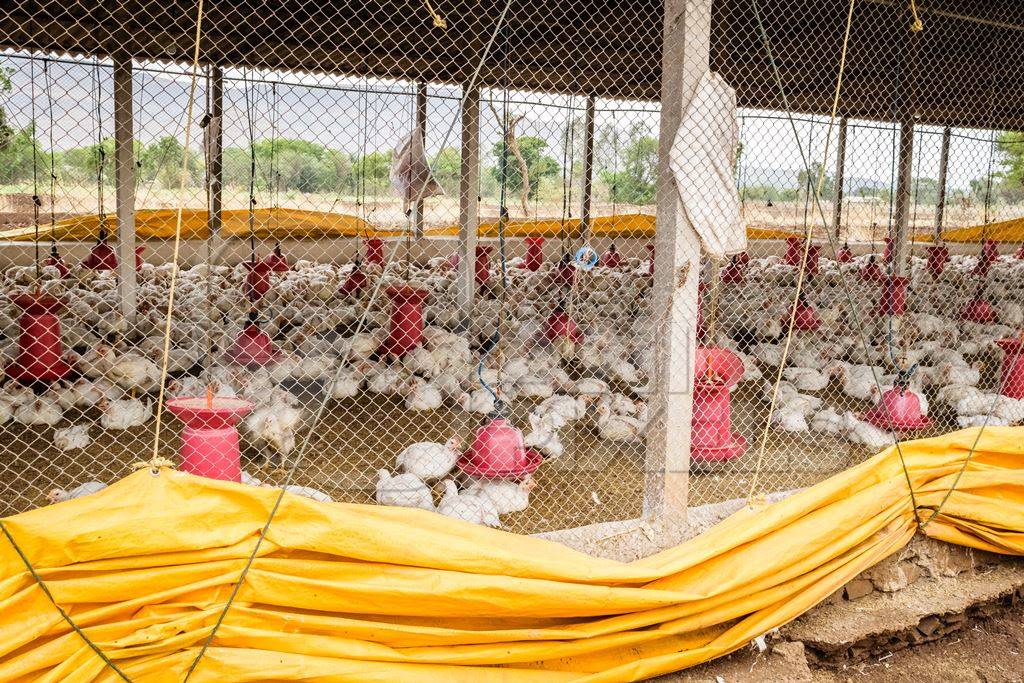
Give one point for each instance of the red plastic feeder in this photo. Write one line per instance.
(534, 253)
(453, 262)
(794, 248)
(102, 256)
(209, 441)
(742, 259)
(986, 259)
(39, 346)
(990, 249)
(893, 299)
(845, 254)
(733, 274)
(483, 264)
(354, 283)
(497, 452)
(938, 257)
(611, 258)
(805, 319)
(257, 281)
(1012, 382)
(253, 347)
(406, 320)
(138, 258)
(277, 261)
(56, 261)
(1020, 253)
(375, 251)
(650, 261)
(717, 371)
(978, 310)
(871, 271)
(566, 272)
(560, 326)
(900, 410)
(813, 256)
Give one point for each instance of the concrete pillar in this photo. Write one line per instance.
(940, 202)
(587, 198)
(215, 130)
(901, 213)
(837, 202)
(421, 123)
(124, 174)
(685, 59)
(469, 217)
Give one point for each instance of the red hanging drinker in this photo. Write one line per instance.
(483, 265)
(893, 297)
(794, 248)
(938, 257)
(406, 320)
(611, 258)
(534, 253)
(899, 410)
(253, 348)
(497, 452)
(257, 280)
(102, 256)
(712, 439)
(277, 261)
(40, 352)
(55, 260)
(375, 251)
(1011, 381)
(560, 326)
(845, 254)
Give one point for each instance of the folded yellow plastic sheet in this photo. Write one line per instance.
(344, 592)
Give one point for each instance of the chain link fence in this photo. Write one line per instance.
(310, 140)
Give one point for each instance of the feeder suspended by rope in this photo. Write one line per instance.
(253, 348)
(987, 257)
(483, 265)
(560, 325)
(497, 452)
(209, 441)
(40, 352)
(871, 271)
(375, 251)
(890, 249)
(406, 330)
(794, 250)
(734, 273)
(257, 280)
(938, 257)
(805, 318)
(811, 266)
(893, 297)
(899, 410)
(277, 261)
(650, 260)
(611, 258)
(138, 258)
(1011, 383)
(102, 256)
(979, 309)
(355, 282)
(716, 372)
(534, 253)
(845, 254)
(565, 274)
(55, 260)
(585, 259)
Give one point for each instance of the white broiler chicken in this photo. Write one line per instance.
(806, 379)
(506, 496)
(467, 507)
(124, 413)
(429, 461)
(42, 411)
(618, 428)
(273, 430)
(543, 436)
(421, 395)
(86, 489)
(865, 433)
(404, 490)
(132, 371)
(72, 438)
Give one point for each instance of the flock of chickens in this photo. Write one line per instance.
(330, 337)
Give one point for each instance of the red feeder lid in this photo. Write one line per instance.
(845, 254)
(253, 347)
(354, 283)
(899, 409)
(978, 310)
(277, 261)
(805, 319)
(497, 452)
(56, 261)
(871, 271)
(101, 257)
(560, 326)
(717, 366)
(216, 412)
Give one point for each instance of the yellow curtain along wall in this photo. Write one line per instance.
(339, 593)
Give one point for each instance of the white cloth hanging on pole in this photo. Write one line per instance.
(410, 172)
(703, 162)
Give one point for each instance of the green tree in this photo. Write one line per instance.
(447, 168)
(161, 162)
(16, 158)
(81, 164)
(372, 171)
(807, 185)
(6, 132)
(538, 165)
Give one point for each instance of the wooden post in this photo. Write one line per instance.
(837, 202)
(685, 59)
(469, 176)
(587, 198)
(901, 213)
(421, 123)
(940, 202)
(124, 174)
(216, 132)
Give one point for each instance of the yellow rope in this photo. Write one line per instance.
(915, 25)
(803, 263)
(439, 21)
(177, 240)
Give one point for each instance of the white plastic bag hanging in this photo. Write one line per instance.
(703, 160)
(410, 172)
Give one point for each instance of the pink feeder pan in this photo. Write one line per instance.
(55, 260)
(712, 439)
(534, 253)
(406, 320)
(277, 261)
(209, 441)
(978, 310)
(1012, 378)
(40, 352)
(497, 452)
(253, 348)
(899, 409)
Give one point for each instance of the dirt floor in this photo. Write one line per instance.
(989, 651)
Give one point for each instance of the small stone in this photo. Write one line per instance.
(859, 588)
(929, 625)
(790, 651)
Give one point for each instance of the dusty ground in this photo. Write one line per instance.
(990, 651)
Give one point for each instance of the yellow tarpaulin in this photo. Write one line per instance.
(1004, 231)
(280, 223)
(344, 592)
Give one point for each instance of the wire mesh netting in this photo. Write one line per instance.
(394, 235)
